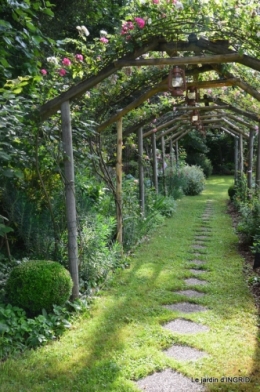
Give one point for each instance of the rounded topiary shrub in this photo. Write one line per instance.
(38, 284)
(193, 180)
(231, 192)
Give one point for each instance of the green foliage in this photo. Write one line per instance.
(135, 224)
(249, 222)
(174, 183)
(232, 192)
(22, 41)
(18, 332)
(193, 178)
(98, 254)
(37, 285)
(205, 164)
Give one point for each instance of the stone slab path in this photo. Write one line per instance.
(169, 380)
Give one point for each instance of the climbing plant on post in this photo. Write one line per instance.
(70, 196)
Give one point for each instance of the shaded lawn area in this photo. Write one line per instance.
(123, 338)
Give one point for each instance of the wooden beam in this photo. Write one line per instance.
(203, 108)
(241, 121)
(52, 106)
(229, 132)
(249, 61)
(218, 101)
(233, 126)
(130, 107)
(173, 128)
(164, 125)
(205, 59)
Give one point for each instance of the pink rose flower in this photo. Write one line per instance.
(79, 57)
(62, 72)
(156, 1)
(104, 40)
(126, 27)
(66, 61)
(43, 72)
(140, 22)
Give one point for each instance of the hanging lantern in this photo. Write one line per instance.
(191, 96)
(177, 82)
(195, 117)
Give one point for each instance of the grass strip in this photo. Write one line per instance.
(123, 338)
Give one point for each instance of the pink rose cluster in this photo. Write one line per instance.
(66, 62)
(140, 22)
(104, 40)
(126, 27)
(79, 57)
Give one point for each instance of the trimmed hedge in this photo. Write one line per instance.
(36, 285)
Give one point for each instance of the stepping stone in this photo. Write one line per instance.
(197, 262)
(194, 281)
(201, 237)
(198, 246)
(185, 326)
(190, 293)
(168, 381)
(184, 353)
(197, 254)
(186, 307)
(197, 272)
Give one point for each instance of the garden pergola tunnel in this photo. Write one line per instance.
(212, 54)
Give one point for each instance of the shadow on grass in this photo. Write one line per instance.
(96, 359)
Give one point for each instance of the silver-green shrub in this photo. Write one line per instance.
(193, 180)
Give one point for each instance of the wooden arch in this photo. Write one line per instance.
(208, 53)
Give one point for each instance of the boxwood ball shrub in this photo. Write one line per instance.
(38, 284)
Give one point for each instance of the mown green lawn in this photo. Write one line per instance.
(123, 338)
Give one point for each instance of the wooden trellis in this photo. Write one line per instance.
(219, 53)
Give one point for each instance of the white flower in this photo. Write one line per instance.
(85, 31)
(149, 21)
(179, 5)
(258, 34)
(103, 33)
(53, 60)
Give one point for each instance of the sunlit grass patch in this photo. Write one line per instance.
(124, 337)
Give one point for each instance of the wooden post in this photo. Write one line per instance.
(241, 156)
(70, 197)
(163, 166)
(141, 170)
(119, 213)
(250, 159)
(171, 154)
(236, 159)
(177, 154)
(257, 180)
(155, 169)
